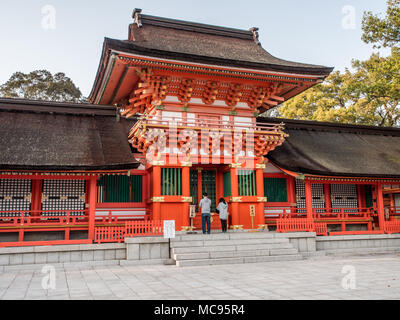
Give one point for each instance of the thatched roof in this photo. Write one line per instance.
(37, 135)
(196, 42)
(338, 149)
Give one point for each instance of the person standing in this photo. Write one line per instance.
(205, 205)
(223, 214)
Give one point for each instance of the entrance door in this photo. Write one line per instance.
(208, 183)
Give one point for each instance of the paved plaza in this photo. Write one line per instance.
(372, 277)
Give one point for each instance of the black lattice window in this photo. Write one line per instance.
(15, 195)
(63, 195)
(318, 196)
(344, 196)
(300, 195)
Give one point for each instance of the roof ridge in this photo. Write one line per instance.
(25, 105)
(303, 124)
(141, 19)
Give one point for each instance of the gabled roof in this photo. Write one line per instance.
(196, 42)
(38, 135)
(169, 40)
(338, 149)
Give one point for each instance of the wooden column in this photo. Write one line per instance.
(359, 197)
(380, 206)
(327, 195)
(36, 202)
(186, 193)
(235, 194)
(92, 205)
(309, 205)
(260, 194)
(156, 192)
(291, 191)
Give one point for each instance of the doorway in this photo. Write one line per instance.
(203, 180)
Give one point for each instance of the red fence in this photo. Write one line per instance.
(392, 226)
(109, 234)
(131, 229)
(295, 225)
(143, 228)
(343, 213)
(321, 229)
(43, 218)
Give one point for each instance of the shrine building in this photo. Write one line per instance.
(176, 110)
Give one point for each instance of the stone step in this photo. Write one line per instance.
(233, 242)
(226, 236)
(233, 254)
(362, 251)
(220, 261)
(242, 247)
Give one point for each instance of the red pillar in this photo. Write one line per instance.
(327, 195)
(309, 205)
(36, 202)
(380, 206)
(92, 205)
(291, 191)
(156, 192)
(235, 194)
(260, 194)
(186, 193)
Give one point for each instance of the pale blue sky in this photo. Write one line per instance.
(307, 31)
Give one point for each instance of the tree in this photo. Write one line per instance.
(370, 94)
(383, 32)
(41, 85)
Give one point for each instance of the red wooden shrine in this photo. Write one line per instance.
(175, 112)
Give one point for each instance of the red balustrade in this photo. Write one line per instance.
(130, 229)
(43, 218)
(392, 226)
(295, 225)
(143, 228)
(109, 234)
(321, 229)
(343, 213)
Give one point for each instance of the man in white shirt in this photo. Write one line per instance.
(205, 205)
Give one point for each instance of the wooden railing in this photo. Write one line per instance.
(109, 216)
(143, 228)
(43, 218)
(269, 128)
(392, 226)
(342, 213)
(291, 219)
(109, 234)
(295, 225)
(321, 229)
(130, 229)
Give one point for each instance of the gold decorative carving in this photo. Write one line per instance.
(157, 199)
(187, 199)
(236, 199)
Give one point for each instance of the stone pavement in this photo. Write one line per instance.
(376, 277)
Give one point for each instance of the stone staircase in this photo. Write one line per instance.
(233, 247)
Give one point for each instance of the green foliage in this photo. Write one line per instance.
(368, 95)
(383, 31)
(41, 85)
